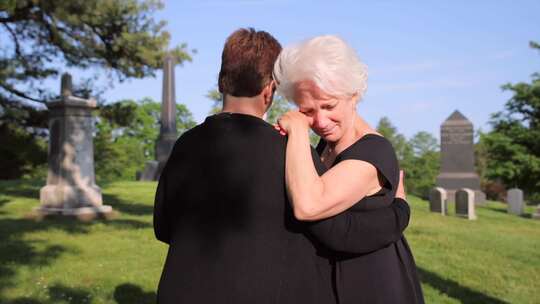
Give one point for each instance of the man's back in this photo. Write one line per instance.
(221, 205)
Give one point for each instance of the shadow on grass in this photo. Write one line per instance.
(524, 215)
(24, 189)
(132, 208)
(454, 290)
(128, 293)
(3, 201)
(500, 210)
(16, 251)
(58, 293)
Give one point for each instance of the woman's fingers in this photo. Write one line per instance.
(280, 130)
(292, 120)
(400, 193)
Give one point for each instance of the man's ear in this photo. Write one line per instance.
(268, 93)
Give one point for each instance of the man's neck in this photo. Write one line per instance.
(243, 105)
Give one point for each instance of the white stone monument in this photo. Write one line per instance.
(515, 202)
(71, 189)
(536, 215)
(438, 201)
(465, 204)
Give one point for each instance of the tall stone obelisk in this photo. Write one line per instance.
(167, 133)
(457, 158)
(71, 187)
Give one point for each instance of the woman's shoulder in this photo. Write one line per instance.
(372, 146)
(378, 151)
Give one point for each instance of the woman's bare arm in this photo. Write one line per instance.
(316, 197)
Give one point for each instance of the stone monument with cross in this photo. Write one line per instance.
(71, 188)
(457, 158)
(167, 132)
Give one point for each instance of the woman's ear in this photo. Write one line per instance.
(354, 100)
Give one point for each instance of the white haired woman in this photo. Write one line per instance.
(326, 79)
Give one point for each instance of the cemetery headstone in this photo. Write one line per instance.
(457, 158)
(465, 206)
(437, 201)
(515, 201)
(71, 188)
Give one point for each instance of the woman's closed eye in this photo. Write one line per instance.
(329, 107)
(307, 112)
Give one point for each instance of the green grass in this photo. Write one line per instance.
(495, 259)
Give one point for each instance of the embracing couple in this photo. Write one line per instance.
(253, 214)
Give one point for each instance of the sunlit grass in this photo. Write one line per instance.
(495, 259)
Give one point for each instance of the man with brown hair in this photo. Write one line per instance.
(222, 207)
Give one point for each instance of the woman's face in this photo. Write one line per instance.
(329, 116)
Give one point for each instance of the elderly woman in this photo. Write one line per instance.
(326, 79)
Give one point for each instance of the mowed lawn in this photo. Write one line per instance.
(495, 259)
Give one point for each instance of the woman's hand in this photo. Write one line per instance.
(292, 121)
(400, 193)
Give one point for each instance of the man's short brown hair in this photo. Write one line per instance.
(247, 62)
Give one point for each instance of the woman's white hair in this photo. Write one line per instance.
(328, 61)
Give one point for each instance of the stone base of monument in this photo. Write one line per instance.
(536, 215)
(150, 172)
(84, 214)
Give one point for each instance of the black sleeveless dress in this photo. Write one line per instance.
(386, 275)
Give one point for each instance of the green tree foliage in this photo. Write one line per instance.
(423, 168)
(418, 157)
(513, 145)
(215, 96)
(126, 132)
(119, 36)
(119, 39)
(404, 151)
(21, 153)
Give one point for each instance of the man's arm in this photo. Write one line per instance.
(363, 231)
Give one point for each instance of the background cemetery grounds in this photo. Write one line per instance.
(495, 259)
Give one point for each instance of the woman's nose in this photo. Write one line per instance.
(320, 121)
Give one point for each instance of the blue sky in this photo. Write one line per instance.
(425, 58)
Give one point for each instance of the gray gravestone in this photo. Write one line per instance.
(515, 201)
(457, 158)
(437, 201)
(150, 170)
(536, 215)
(71, 189)
(167, 133)
(465, 206)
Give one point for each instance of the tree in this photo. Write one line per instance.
(126, 134)
(215, 96)
(422, 170)
(418, 157)
(399, 142)
(119, 39)
(512, 147)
